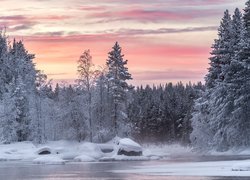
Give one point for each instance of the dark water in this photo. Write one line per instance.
(102, 170)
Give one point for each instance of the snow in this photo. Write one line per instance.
(49, 159)
(68, 151)
(242, 166)
(64, 151)
(84, 158)
(129, 145)
(17, 151)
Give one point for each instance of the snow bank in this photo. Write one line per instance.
(64, 151)
(241, 166)
(49, 159)
(84, 158)
(17, 151)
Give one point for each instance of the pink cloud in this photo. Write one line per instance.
(152, 15)
(92, 8)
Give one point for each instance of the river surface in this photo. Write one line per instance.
(15, 170)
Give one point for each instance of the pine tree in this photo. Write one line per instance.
(117, 76)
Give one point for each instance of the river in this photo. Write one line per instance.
(15, 170)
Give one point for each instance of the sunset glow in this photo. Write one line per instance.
(163, 40)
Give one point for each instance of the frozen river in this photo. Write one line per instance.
(175, 168)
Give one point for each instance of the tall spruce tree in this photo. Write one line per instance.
(222, 51)
(206, 121)
(117, 76)
(246, 17)
(221, 118)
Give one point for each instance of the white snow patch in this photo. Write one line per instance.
(84, 158)
(17, 151)
(49, 159)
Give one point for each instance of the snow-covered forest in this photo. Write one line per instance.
(102, 104)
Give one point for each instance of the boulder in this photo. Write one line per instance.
(128, 147)
(44, 151)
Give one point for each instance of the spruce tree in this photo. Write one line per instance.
(117, 76)
(209, 117)
(222, 51)
(246, 17)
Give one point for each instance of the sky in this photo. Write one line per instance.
(163, 40)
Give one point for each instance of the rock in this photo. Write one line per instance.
(128, 147)
(44, 151)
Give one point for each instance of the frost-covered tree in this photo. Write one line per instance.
(220, 119)
(117, 76)
(87, 76)
(247, 17)
(5, 71)
(222, 51)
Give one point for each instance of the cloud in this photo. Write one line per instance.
(92, 8)
(20, 22)
(168, 74)
(143, 15)
(165, 30)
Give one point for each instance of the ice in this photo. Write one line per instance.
(215, 168)
(129, 158)
(242, 166)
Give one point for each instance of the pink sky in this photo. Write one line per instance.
(163, 40)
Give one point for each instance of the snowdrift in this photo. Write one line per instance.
(60, 152)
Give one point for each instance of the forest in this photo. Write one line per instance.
(102, 104)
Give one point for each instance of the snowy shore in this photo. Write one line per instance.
(62, 152)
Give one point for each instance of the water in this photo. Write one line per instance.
(102, 170)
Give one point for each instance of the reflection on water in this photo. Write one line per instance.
(101, 170)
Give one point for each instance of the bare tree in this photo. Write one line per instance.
(87, 78)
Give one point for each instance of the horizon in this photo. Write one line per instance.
(162, 41)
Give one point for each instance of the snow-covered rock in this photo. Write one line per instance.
(128, 147)
(242, 166)
(44, 151)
